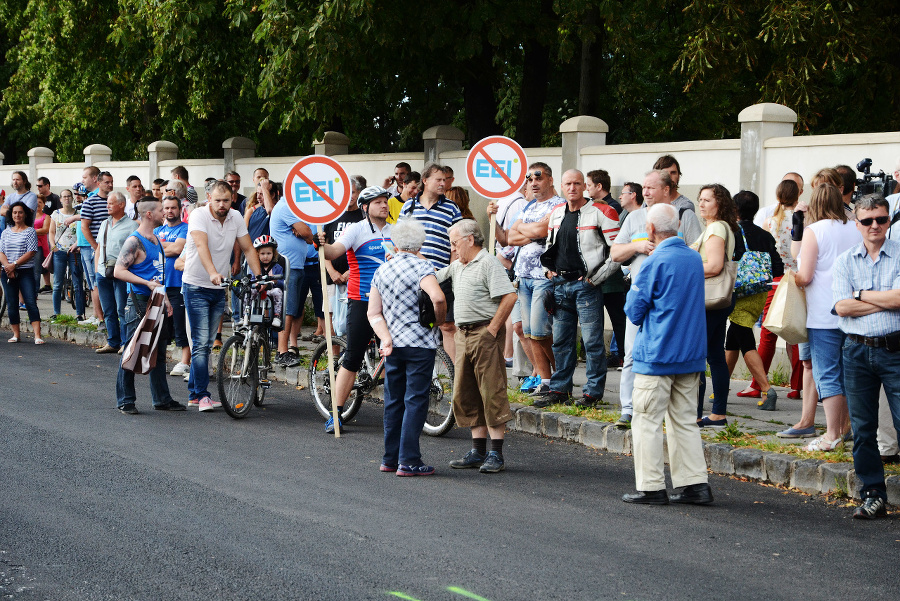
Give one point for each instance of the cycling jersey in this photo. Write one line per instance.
(365, 253)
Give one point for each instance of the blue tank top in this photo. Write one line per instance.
(151, 268)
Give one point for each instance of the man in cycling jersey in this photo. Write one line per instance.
(364, 244)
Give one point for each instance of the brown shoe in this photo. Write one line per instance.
(106, 349)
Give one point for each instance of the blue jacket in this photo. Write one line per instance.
(667, 301)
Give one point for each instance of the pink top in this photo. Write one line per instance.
(42, 239)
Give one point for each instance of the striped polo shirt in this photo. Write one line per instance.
(437, 221)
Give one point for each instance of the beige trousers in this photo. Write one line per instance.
(675, 399)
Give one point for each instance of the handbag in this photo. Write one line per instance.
(109, 265)
(787, 312)
(754, 271)
(426, 309)
(719, 289)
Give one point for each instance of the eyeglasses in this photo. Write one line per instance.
(536, 174)
(231, 182)
(881, 220)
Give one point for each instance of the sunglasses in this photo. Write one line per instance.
(879, 220)
(537, 174)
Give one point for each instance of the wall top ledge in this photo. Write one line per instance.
(333, 137)
(443, 132)
(98, 149)
(40, 151)
(584, 123)
(162, 145)
(769, 112)
(239, 142)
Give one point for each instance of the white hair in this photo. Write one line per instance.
(408, 234)
(118, 195)
(664, 218)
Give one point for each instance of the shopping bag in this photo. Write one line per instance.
(787, 313)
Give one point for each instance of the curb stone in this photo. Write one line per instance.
(810, 476)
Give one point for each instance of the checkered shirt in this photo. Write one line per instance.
(397, 281)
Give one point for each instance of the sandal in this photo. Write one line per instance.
(13, 339)
(820, 444)
(39, 341)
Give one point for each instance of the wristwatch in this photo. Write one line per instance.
(858, 295)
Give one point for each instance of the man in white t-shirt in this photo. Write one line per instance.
(213, 230)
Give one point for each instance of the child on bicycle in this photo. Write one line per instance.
(271, 264)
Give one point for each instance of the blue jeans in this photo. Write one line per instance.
(312, 284)
(62, 260)
(88, 267)
(205, 307)
(576, 302)
(293, 306)
(179, 326)
(24, 283)
(113, 293)
(407, 387)
(716, 327)
(159, 387)
(866, 370)
(536, 322)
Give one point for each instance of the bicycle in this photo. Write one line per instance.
(370, 375)
(245, 360)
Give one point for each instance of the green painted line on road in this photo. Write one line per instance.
(402, 596)
(465, 593)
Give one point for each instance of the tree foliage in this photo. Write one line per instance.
(128, 72)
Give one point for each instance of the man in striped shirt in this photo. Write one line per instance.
(437, 214)
(866, 288)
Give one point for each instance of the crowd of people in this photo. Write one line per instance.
(564, 260)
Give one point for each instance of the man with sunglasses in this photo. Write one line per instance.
(866, 290)
(530, 232)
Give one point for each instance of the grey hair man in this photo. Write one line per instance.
(484, 300)
(666, 301)
(113, 232)
(632, 246)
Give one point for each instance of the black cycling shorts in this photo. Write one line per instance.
(359, 333)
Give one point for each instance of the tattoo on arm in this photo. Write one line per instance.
(129, 255)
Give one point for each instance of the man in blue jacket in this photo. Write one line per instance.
(666, 303)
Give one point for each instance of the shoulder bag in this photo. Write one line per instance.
(754, 271)
(720, 288)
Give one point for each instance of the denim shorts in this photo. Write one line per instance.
(292, 288)
(90, 271)
(516, 315)
(827, 362)
(536, 322)
(803, 351)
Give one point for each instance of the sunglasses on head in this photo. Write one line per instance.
(881, 220)
(536, 174)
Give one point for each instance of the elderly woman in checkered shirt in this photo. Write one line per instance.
(407, 345)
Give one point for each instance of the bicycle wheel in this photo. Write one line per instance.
(264, 363)
(440, 405)
(237, 376)
(320, 383)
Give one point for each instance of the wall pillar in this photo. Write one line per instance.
(2, 158)
(237, 148)
(759, 123)
(440, 139)
(96, 153)
(332, 143)
(38, 156)
(160, 151)
(578, 133)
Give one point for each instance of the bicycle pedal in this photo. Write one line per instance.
(265, 384)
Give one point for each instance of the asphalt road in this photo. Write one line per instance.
(98, 505)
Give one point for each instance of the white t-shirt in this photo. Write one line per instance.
(833, 238)
(764, 213)
(220, 238)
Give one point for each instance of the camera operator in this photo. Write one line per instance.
(894, 206)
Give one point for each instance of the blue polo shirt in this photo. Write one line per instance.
(437, 221)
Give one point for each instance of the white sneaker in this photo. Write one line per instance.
(187, 376)
(180, 369)
(87, 322)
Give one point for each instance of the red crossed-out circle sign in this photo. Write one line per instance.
(317, 189)
(496, 167)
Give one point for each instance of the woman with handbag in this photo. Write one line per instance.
(716, 248)
(63, 232)
(826, 234)
(750, 303)
(779, 226)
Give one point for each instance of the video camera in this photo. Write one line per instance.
(871, 183)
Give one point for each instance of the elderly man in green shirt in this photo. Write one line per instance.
(113, 293)
(484, 299)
